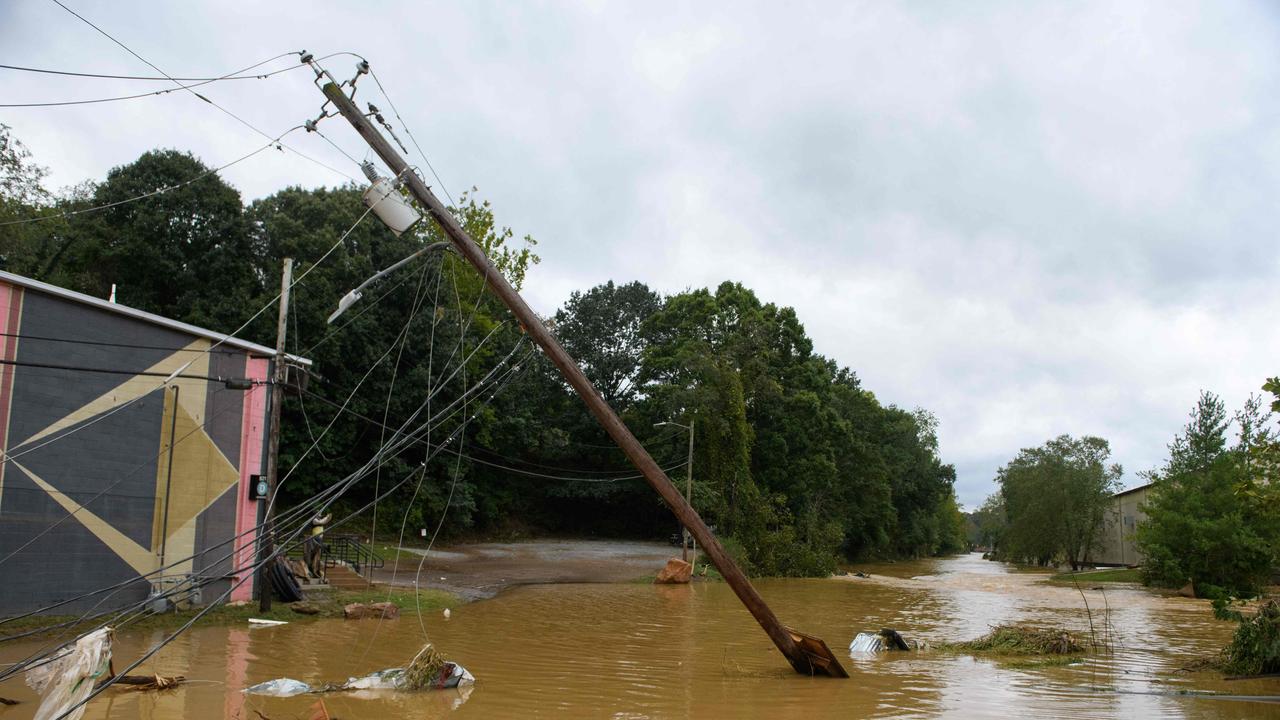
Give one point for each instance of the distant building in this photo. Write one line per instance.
(1123, 518)
(110, 469)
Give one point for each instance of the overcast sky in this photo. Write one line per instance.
(1029, 219)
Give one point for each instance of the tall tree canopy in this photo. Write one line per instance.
(796, 462)
(1055, 498)
(1214, 514)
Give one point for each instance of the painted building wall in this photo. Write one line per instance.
(108, 477)
(1123, 518)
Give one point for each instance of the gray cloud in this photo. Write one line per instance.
(1030, 219)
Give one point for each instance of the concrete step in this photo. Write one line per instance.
(345, 578)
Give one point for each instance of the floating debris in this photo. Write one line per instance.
(149, 682)
(424, 669)
(427, 671)
(280, 687)
(1022, 640)
(62, 680)
(867, 643)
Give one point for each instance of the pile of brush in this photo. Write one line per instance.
(423, 672)
(1023, 640)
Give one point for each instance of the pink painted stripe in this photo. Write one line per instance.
(10, 323)
(252, 427)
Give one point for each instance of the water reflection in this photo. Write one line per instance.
(640, 651)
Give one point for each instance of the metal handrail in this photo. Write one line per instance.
(348, 549)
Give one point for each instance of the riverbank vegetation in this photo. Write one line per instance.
(795, 461)
(1255, 646)
(1213, 519)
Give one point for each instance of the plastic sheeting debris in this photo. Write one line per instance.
(451, 676)
(68, 678)
(280, 687)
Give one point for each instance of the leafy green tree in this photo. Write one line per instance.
(828, 469)
(991, 523)
(795, 461)
(29, 248)
(1212, 516)
(21, 180)
(1272, 385)
(952, 527)
(431, 330)
(1055, 499)
(600, 328)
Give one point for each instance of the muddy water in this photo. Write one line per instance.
(640, 651)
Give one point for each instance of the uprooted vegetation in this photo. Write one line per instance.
(1054, 645)
(1255, 647)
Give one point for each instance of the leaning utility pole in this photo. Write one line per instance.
(808, 655)
(266, 539)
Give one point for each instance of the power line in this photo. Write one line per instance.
(366, 418)
(122, 478)
(236, 75)
(335, 145)
(239, 119)
(105, 343)
(269, 303)
(324, 497)
(367, 307)
(230, 76)
(123, 371)
(413, 139)
(153, 193)
(337, 490)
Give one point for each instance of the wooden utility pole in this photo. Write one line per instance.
(266, 538)
(808, 655)
(688, 495)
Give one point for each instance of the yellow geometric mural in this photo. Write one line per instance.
(188, 480)
(201, 474)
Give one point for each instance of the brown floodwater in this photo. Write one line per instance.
(642, 651)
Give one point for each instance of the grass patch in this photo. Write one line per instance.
(1110, 575)
(329, 605)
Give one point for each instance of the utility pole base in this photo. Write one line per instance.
(814, 657)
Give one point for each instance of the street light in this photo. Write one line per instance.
(688, 492)
(351, 297)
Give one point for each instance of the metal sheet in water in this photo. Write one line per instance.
(644, 651)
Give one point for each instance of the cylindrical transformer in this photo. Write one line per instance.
(390, 206)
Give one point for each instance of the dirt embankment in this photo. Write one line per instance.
(482, 570)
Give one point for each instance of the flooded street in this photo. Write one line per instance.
(643, 651)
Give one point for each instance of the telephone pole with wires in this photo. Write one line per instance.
(266, 539)
(808, 655)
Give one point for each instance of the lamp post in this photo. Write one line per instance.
(688, 489)
(351, 297)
